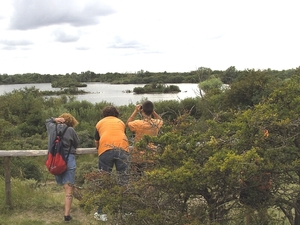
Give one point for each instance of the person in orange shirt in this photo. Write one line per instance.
(150, 125)
(113, 148)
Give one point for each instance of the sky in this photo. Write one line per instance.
(127, 36)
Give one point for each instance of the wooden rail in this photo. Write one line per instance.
(79, 151)
(7, 154)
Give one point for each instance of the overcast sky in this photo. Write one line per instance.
(65, 36)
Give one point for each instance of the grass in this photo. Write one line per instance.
(40, 217)
(40, 205)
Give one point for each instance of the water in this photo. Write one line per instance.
(113, 93)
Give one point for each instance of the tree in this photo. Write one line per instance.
(210, 84)
(249, 89)
(229, 75)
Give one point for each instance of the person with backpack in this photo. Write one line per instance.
(150, 124)
(65, 124)
(113, 149)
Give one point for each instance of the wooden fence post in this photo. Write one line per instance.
(7, 176)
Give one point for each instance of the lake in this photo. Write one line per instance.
(114, 93)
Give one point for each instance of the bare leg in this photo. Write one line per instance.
(68, 198)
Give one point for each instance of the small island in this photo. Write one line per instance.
(156, 88)
(64, 91)
(67, 86)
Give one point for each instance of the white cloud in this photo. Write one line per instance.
(64, 35)
(32, 14)
(58, 37)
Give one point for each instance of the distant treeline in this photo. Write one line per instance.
(140, 77)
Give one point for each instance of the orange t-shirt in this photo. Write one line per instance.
(144, 127)
(112, 134)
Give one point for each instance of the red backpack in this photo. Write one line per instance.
(56, 161)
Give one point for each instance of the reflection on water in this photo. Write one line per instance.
(118, 94)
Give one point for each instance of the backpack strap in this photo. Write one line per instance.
(61, 136)
(69, 151)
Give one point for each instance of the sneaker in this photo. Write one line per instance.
(126, 215)
(102, 217)
(68, 218)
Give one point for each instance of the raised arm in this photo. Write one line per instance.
(156, 116)
(136, 110)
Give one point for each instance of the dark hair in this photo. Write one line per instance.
(148, 108)
(110, 111)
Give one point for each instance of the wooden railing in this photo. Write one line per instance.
(7, 154)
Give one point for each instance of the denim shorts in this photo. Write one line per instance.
(69, 175)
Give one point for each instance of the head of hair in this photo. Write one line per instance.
(70, 120)
(148, 108)
(110, 111)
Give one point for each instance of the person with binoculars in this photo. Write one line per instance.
(150, 124)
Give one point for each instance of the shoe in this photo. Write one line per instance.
(68, 218)
(126, 215)
(102, 217)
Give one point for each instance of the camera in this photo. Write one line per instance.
(141, 107)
